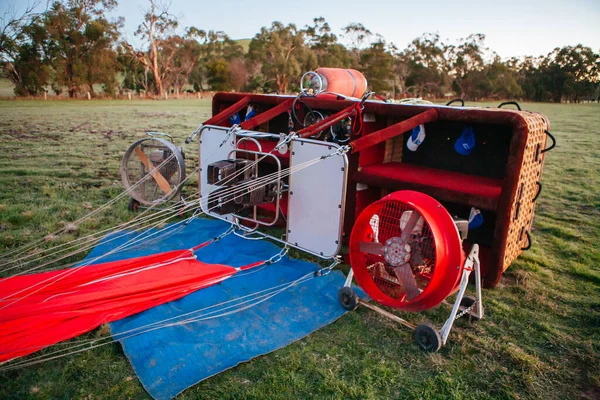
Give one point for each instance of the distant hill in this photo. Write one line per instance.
(245, 43)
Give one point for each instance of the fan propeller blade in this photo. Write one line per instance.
(409, 227)
(160, 180)
(416, 255)
(371, 248)
(407, 280)
(374, 222)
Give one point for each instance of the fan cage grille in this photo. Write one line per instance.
(385, 222)
(157, 152)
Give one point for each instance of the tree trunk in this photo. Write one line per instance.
(158, 84)
(281, 84)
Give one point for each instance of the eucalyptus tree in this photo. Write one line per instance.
(280, 53)
(81, 44)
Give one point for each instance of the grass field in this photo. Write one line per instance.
(540, 337)
(7, 89)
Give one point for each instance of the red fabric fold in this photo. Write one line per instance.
(39, 310)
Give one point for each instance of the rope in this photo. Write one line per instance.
(74, 270)
(26, 247)
(139, 182)
(162, 324)
(92, 239)
(260, 298)
(112, 201)
(150, 218)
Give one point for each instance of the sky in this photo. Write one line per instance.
(512, 28)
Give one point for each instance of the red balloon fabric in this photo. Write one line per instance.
(39, 310)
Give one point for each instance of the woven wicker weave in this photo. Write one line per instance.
(523, 207)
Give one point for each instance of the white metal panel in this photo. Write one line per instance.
(215, 145)
(317, 198)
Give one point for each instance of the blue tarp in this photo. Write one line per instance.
(171, 359)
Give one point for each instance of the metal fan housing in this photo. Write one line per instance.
(152, 170)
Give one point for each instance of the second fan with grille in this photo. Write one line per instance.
(152, 171)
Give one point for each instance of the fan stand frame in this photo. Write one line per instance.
(471, 265)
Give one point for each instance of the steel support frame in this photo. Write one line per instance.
(472, 264)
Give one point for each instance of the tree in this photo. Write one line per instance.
(177, 57)
(570, 72)
(504, 80)
(187, 55)
(135, 75)
(280, 53)
(81, 44)
(155, 30)
(531, 79)
(324, 44)
(30, 70)
(377, 64)
(427, 66)
(357, 34)
(20, 54)
(573, 72)
(467, 59)
(216, 48)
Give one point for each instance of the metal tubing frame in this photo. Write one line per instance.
(349, 278)
(267, 115)
(391, 131)
(251, 134)
(277, 198)
(471, 264)
(223, 115)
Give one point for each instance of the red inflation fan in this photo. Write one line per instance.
(45, 308)
(406, 252)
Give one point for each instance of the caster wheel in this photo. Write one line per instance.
(467, 301)
(348, 299)
(428, 338)
(133, 205)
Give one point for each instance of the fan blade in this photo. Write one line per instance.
(162, 182)
(410, 225)
(371, 248)
(374, 222)
(416, 255)
(407, 280)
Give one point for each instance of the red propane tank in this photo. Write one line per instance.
(347, 82)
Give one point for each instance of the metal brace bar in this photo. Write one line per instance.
(386, 314)
(471, 264)
(349, 278)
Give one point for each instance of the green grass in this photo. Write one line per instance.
(7, 89)
(540, 337)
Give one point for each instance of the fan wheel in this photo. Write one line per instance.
(348, 299)
(134, 205)
(406, 252)
(428, 338)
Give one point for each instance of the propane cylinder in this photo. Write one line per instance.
(347, 82)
